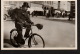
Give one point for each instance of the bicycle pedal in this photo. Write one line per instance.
(26, 36)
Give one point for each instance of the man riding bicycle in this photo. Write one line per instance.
(21, 20)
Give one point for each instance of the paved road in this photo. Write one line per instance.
(56, 32)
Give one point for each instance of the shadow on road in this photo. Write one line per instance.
(61, 20)
(9, 20)
(7, 43)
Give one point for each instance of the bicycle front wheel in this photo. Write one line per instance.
(36, 41)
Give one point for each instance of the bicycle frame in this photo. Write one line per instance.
(30, 33)
(31, 38)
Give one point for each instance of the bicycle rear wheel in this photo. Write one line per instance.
(36, 41)
(13, 33)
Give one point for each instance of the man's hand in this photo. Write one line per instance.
(25, 23)
(32, 23)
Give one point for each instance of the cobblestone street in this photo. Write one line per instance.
(57, 32)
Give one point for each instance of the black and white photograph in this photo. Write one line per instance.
(42, 25)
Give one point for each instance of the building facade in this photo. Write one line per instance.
(58, 4)
(55, 4)
(65, 5)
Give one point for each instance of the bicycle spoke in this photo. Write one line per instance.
(37, 42)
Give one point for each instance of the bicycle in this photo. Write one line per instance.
(33, 39)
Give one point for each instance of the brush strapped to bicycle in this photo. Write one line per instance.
(35, 40)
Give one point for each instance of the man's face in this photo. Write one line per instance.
(25, 8)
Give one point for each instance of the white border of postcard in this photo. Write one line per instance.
(75, 48)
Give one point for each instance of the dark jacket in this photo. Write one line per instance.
(21, 16)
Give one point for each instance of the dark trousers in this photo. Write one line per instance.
(19, 30)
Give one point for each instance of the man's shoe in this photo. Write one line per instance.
(16, 39)
(20, 41)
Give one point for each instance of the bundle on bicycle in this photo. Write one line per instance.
(34, 40)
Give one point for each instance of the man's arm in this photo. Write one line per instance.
(28, 18)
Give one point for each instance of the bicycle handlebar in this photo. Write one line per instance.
(39, 26)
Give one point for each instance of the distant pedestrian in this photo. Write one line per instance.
(47, 11)
(44, 12)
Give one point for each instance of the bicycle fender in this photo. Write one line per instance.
(13, 30)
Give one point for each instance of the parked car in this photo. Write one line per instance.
(36, 11)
